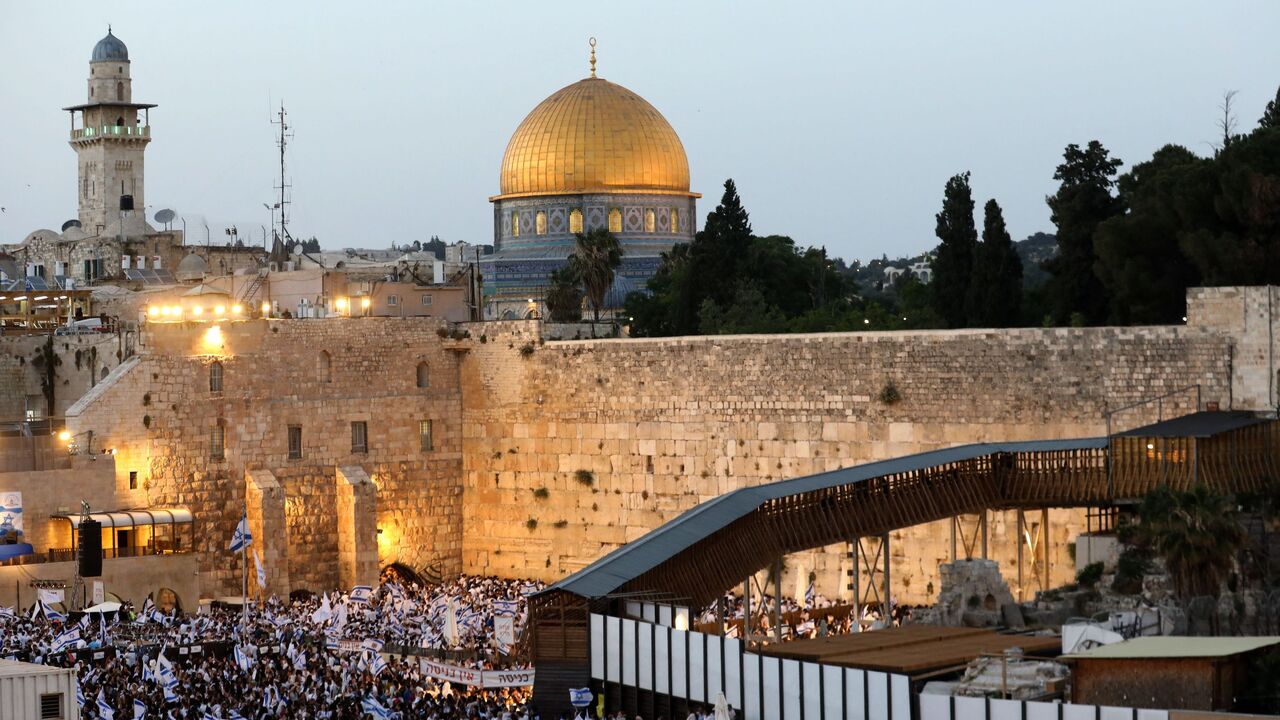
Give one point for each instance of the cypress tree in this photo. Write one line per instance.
(1271, 117)
(952, 266)
(995, 293)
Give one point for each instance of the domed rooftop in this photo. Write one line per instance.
(594, 136)
(192, 267)
(110, 48)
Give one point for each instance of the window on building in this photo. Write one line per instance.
(37, 270)
(295, 442)
(359, 437)
(133, 479)
(50, 706)
(120, 91)
(540, 223)
(326, 367)
(218, 440)
(650, 221)
(515, 224)
(615, 220)
(424, 436)
(215, 377)
(675, 220)
(426, 299)
(393, 300)
(93, 269)
(424, 375)
(575, 221)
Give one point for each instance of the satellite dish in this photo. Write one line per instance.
(165, 216)
(73, 223)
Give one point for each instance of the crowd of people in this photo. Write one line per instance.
(815, 616)
(337, 655)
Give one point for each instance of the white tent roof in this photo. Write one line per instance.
(134, 518)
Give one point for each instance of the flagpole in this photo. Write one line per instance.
(244, 572)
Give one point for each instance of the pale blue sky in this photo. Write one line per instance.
(840, 121)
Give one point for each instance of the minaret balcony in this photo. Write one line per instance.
(110, 131)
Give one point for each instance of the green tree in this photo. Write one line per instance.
(1196, 534)
(1139, 258)
(1082, 202)
(953, 263)
(595, 257)
(1271, 116)
(1240, 244)
(564, 295)
(995, 292)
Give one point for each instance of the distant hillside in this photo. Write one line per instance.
(1034, 251)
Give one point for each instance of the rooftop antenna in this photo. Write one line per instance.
(282, 141)
(592, 43)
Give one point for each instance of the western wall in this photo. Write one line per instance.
(547, 454)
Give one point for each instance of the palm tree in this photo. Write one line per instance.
(1196, 534)
(564, 296)
(595, 258)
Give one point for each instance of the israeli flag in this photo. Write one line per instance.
(243, 659)
(809, 595)
(262, 571)
(50, 614)
(139, 710)
(79, 694)
(105, 710)
(84, 622)
(235, 715)
(169, 695)
(241, 538)
(372, 645)
(67, 640)
(372, 707)
(377, 665)
(361, 594)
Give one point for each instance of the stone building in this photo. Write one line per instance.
(109, 134)
(592, 155)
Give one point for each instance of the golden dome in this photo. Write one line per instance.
(594, 136)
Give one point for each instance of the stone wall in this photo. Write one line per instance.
(572, 449)
(84, 361)
(547, 455)
(159, 415)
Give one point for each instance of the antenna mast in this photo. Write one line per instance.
(283, 137)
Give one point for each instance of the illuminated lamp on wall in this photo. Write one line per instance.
(212, 342)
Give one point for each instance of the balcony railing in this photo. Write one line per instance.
(111, 131)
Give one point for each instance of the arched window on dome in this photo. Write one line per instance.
(650, 221)
(120, 91)
(675, 220)
(615, 220)
(575, 221)
(540, 223)
(515, 224)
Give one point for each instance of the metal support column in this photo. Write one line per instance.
(888, 587)
(777, 599)
(746, 611)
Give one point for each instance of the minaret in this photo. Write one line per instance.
(109, 137)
